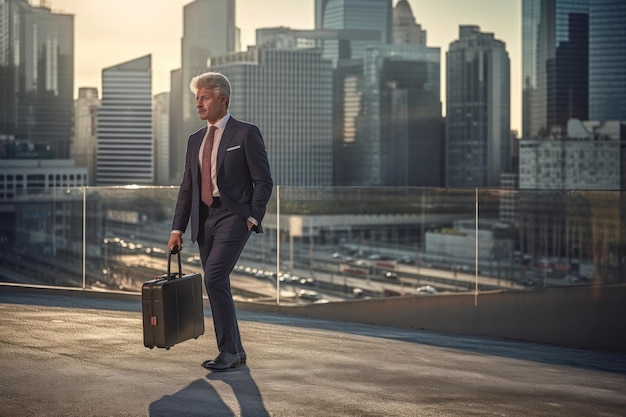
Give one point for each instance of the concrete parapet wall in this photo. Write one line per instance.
(587, 317)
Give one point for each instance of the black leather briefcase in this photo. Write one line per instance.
(172, 308)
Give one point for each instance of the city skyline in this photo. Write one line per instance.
(143, 29)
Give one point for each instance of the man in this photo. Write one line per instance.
(224, 191)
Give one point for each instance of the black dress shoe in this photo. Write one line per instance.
(223, 362)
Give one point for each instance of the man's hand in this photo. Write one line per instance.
(249, 224)
(176, 242)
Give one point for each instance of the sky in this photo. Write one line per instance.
(109, 32)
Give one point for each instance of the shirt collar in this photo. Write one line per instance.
(221, 123)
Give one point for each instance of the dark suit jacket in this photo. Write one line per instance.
(243, 176)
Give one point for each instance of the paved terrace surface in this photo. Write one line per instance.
(71, 355)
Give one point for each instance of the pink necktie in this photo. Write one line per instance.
(207, 187)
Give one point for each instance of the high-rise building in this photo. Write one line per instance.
(353, 14)
(125, 145)
(607, 60)
(178, 137)
(208, 31)
(36, 76)
(161, 117)
(555, 65)
(405, 29)
(478, 110)
(587, 157)
(557, 225)
(399, 137)
(287, 93)
(85, 143)
(348, 122)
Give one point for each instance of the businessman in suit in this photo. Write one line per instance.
(223, 194)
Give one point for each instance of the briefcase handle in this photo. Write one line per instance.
(171, 275)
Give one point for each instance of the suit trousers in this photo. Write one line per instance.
(223, 235)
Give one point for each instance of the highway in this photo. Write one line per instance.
(125, 265)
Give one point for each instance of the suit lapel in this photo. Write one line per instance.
(197, 141)
(227, 138)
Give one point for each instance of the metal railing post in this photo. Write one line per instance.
(277, 244)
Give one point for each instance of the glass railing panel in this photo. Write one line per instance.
(127, 233)
(449, 253)
(552, 238)
(498, 259)
(570, 237)
(41, 237)
(339, 242)
(353, 242)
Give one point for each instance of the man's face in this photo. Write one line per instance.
(209, 106)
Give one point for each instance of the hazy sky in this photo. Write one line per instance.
(110, 32)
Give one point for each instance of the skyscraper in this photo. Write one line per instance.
(161, 118)
(478, 110)
(405, 29)
(208, 32)
(399, 139)
(125, 149)
(85, 142)
(353, 14)
(287, 92)
(555, 49)
(36, 76)
(607, 60)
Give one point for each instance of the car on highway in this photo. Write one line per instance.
(572, 279)
(309, 295)
(527, 282)
(407, 260)
(288, 278)
(390, 275)
(427, 289)
(195, 260)
(307, 281)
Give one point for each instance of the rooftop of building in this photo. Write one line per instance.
(70, 354)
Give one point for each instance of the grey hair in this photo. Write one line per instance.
(214, 81)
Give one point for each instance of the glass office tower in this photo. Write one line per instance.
(353, 14)
(555, 50)
(125, 145)
(36, 77)
(287, 93)
(400, 132)
(208, 32)
(478, 110)
(607, 60)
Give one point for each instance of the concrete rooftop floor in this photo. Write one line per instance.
(70, 355)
